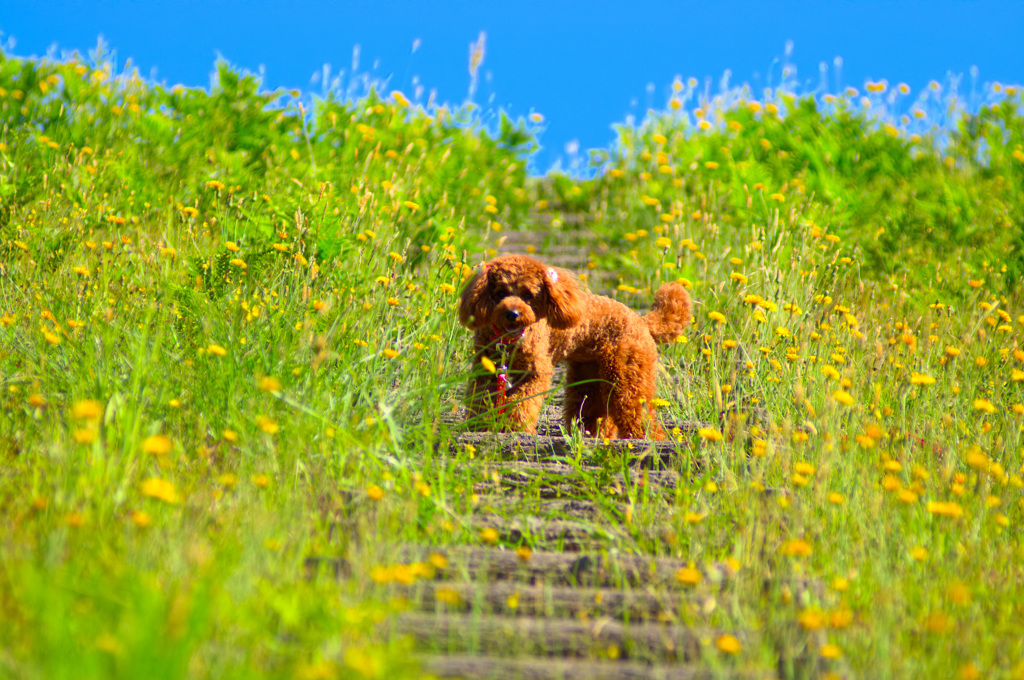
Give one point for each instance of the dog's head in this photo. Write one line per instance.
(513, 292)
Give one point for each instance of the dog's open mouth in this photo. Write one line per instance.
(509, 334)
(513, 333)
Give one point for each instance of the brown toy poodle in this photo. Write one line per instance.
(527, 316)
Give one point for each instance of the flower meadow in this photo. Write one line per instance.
(228, 343)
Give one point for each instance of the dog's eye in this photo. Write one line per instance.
(527, 296)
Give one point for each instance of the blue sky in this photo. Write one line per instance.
(583, 65)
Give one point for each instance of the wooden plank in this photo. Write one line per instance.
(565, 568)
(514, 636)
(503, 597)
(496, 668)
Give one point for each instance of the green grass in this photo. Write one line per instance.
(227, 325)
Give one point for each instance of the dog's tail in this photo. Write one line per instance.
(670, 313)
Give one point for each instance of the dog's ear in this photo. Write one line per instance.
(474, 312)
(565, 302)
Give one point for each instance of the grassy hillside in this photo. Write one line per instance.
(228, 344)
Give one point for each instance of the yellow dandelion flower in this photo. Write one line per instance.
(87, 409)
(51, 338)
(728, 644)
(976, 459)
(269, 384)
(189, 212)
(489, 535)
(709, 433)
(984, 405)
(717, 317)
(649, 201)
(831, 651)
(448, 596)
(950, 509)
(157, 444)
(238, 262)
(85, 435)
(811, 619)
(217, 350)
(400, 99)
(843, 397)
(261, 480)
(804, 468)
(921, 379)
(796, 547)
(689, 576)
(267, 425)
(391, 353)
(738, 278)
(160, 489)
(375, 492)
(382, 574)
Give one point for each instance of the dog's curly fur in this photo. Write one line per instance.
(527, 316)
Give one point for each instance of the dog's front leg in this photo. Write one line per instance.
(530, 385)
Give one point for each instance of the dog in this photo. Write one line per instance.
(526, 317)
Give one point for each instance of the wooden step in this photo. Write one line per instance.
(497, 668)
(503, 597)
(513, 636)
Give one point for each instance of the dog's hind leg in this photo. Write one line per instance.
(631, 402)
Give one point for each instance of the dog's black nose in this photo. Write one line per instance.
(511, 315)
